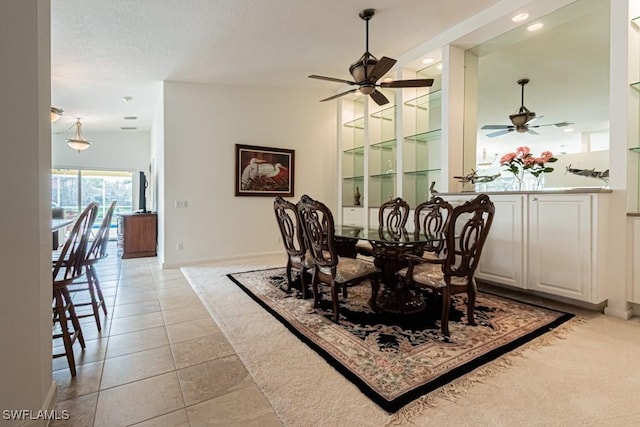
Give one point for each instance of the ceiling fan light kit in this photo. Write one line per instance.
(367, 70)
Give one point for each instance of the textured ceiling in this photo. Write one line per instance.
(103, 51)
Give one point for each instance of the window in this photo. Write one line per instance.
(73, 189)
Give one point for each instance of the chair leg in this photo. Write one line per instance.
(471, 304)
(288, 276)
(375, 287)
(96, 283)
(72, 315)
(94, 301)
(446, 307)
(316, 295)
(344, 292)
(61, 316)
(303, 285)
(334, 298)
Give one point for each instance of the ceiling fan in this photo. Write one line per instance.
(521, 120)
(367, 70)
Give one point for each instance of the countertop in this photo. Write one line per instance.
(563, 190)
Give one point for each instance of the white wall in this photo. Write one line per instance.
(202, 125)
(25, 227)
(157, 178)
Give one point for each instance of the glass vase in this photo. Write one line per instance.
(538, 182)
(518, 181)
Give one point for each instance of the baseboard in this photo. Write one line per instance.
(625, 314)
(169, 265)
(52, 398)
(48, 406)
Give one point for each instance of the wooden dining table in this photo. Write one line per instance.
(389, 250)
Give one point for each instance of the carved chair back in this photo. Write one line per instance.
(318, 225)
(431, 218)
(290, 227)
(393, 215)
(467, 232)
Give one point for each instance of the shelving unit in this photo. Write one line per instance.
(633, 204)
(353, 131)
(422, 138)
(392, 150)
(382, 155)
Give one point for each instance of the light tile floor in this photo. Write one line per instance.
(160, 359)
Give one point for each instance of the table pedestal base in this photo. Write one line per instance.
(399, 302)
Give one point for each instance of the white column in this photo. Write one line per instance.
(25, 213)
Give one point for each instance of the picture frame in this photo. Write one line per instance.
(264, 171)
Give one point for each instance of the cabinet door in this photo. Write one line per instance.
(502, 259)
(635, 263)
(353, 216)
(560, 241)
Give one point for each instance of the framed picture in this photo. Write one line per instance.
(264, 171)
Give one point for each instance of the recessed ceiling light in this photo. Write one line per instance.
(568, 130)
(387, 80)
(535, 27)
(520, 17)
(427, 60)
(439, 67)
(131, 117)
(127, 98)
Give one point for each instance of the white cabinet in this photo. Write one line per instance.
(502, 259)
(561, 234)
(634, 262)
(353, 216)
(550, 243)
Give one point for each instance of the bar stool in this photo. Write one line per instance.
(96, 252)
(67, 267)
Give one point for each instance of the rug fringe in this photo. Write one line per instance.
(452, 391)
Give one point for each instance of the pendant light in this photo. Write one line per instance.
(56, 113)
(78, 142)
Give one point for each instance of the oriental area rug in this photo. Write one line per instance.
(396, 359)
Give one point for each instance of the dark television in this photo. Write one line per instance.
(142, 193)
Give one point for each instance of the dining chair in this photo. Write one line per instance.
(330, 269)
(293, 238)
(66, 268)
(431, 219)
(467, 230)
(96, 252)
(392, 218)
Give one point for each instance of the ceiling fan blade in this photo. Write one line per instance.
(496, 126)
(331, 79)
(408, 83)
(533, 119)
(500, 132)
(384, 64)
(338, 95)
(562, 124)
(558, 125)
(379, 97)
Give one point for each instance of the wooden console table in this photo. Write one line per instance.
(137, 234)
